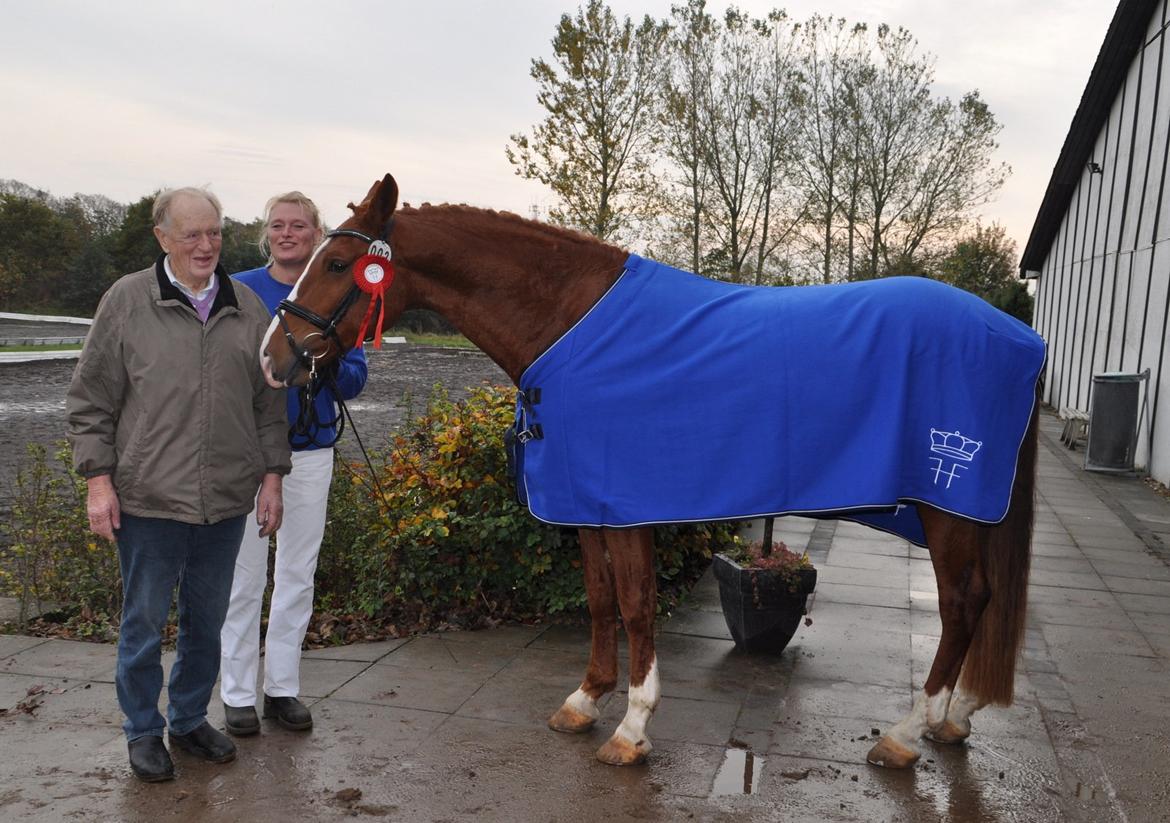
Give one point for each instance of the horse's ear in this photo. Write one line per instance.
(386, 199)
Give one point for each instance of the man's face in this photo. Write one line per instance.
(193, 239)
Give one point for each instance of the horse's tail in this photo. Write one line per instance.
(990, 666)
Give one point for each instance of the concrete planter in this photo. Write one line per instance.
(761, 609)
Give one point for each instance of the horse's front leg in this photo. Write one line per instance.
(632, 556)
(579, 711)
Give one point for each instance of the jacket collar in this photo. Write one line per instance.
(225, 297)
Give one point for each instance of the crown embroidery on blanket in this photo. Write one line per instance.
(953, 444)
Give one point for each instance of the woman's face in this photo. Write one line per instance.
(291, 234)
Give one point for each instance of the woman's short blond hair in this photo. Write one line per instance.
(297, 199)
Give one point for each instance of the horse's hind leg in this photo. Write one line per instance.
(957, 726)
(632, 555)
(579, 711)
(956, 551)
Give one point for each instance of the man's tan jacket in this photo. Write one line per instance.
(177, 411)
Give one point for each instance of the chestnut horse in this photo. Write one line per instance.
(513, 287)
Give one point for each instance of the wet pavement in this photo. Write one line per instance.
(452, 726)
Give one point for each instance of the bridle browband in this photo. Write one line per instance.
(326, 328)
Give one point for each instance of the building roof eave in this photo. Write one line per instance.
(1123, 40)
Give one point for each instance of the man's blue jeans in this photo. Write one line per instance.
(155, 556)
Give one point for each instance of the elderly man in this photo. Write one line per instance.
(174, 428)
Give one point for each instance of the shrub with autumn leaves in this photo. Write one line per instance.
(449, 544)
(439, 540)
(50, 562)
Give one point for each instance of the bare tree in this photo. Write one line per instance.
(595, 148)
(956, 176)
(832, 60)
(732, 123)
(689, 67)
(779, 97)
(925, 164)
(772, 152)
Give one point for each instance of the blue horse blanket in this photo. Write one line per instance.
(677, 398)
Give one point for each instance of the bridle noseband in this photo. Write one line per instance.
(326, 328)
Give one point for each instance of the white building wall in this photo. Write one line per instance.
(1103, 297)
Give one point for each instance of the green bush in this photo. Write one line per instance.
(438, 540)
(49, 559)
(449, 543)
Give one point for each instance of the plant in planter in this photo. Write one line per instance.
(763, 589)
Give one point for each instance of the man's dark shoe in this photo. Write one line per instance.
(206, 743)
(289, 712)
(241, 720)
(150, 761)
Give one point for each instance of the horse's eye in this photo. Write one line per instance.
(337, 266)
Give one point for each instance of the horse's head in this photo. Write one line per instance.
(331, 304)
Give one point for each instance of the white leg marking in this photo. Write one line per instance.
(936, 708)
(581, 702)
(962, 707)
(909, 731)
(643, 701)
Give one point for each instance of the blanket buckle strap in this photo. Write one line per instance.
(523, 428)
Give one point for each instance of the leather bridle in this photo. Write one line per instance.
(326, 327)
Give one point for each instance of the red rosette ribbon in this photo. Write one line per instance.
(373, 274)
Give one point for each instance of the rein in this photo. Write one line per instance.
(305, 429)
(369, 277)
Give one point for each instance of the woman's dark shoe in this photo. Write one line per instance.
(240, 720)
(206, 743)
(289, 712)
(150, 761)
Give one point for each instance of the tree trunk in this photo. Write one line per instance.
(766, 547)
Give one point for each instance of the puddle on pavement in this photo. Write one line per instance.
(739, 774)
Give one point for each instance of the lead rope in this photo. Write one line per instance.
(308, 425)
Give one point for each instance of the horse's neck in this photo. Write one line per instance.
(513, 295)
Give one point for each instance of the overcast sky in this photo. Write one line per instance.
(253, 98)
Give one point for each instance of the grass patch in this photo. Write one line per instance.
(54, 347)
(449, 341)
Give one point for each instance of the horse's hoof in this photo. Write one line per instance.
(892, 755)
(618, 751)
(569, 720)
(948, 732)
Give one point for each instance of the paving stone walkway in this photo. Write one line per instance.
(451, 726)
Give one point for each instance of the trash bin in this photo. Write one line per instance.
(1113, 422)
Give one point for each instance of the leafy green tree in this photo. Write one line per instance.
(90, 271)
(240, 250)
(983, 263)
(36, 247)
(595, 149)
(134, 245)
(86, 277)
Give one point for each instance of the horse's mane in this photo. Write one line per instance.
(489, 223)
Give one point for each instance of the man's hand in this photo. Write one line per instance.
(269, 505)
(102, 507)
